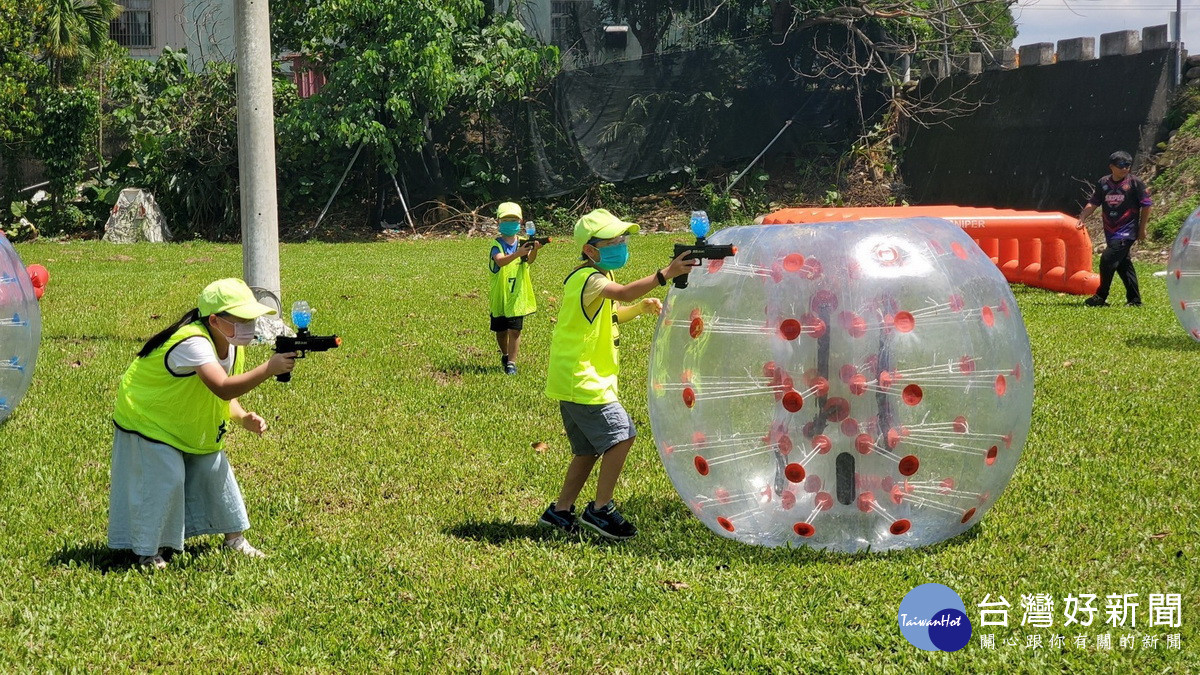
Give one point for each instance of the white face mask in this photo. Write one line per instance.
(243, 333)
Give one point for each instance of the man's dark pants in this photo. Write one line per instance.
(1116, 259)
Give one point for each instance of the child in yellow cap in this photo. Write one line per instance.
(170, 477)
(510, 296)
(582, 375)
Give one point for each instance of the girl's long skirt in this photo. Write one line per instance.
(161, 496)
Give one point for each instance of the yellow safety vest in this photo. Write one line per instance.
(511, 290)
(583, 351)
(177, 410)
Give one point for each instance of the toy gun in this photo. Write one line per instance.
(530, 231)
(701, 250)
(304, 341)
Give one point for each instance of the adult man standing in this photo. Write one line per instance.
(1125, 205)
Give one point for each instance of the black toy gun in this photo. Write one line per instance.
(701, 250)
(530, 231)
(304, 341)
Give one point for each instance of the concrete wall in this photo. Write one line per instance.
(1035, 132)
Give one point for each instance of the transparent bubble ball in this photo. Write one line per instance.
(844, 386)
(1183, 275)
(20, 329)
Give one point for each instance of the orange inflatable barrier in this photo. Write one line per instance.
(1034, 248)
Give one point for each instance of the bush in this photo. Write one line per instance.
(1167, 227)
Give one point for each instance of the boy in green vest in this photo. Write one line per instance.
(511, 293)
(582, 375)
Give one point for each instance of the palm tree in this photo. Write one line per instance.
(75, 30)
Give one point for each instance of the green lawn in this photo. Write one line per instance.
(397, 490)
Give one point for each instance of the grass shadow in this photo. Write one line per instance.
(100, 557)
(500, 532)
(1176, 342)
(467, 368)
(667, 529)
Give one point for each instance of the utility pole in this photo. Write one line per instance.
(256, 153)
(1178, 46)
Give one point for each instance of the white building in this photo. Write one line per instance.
(203, 27)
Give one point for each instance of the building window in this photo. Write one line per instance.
(563, 20)
(132, 28)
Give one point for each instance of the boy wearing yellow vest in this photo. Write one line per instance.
(170, 477)
(511, 293)
(582, 375)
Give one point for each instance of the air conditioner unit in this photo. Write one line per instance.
(616, 37)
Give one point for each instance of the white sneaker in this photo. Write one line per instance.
(242, 546)
(155, 561)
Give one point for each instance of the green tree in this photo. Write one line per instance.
(73, 32)
(22, 79)
(395, 67)
(69, 118)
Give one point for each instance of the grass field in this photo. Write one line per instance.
(397, 490)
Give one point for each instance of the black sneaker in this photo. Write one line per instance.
(607, 522)
(563, 520)
(510, 368)
(1095, 301)
(1136, 303)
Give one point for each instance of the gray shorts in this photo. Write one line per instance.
(595, 429)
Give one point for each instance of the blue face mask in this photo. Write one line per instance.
(613, 257)
(509, 228)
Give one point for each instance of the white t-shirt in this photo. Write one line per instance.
(194, 352)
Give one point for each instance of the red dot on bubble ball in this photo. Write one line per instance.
(689, 396)
(701, 465)
(804, 529)
(865, 501)
(823, 501)
(909, 465)
(992, 453)
(912, 394)
(966, 365)
(900, 526)
(847, 371)
(822, 444)
(794, 472)
(769, 369)
(722, 495)
(793, 262)
(790, 329)
(699, 438)
(1001, 385)
(858, 385)
(893, 438)
(968, 514)
(850, 427)
(989, 317)
(837, 409)
(785, 444)
(724, 522)
(904, 322)
(959, 250)
(960, 424)
(864, 444)
(696, 328)
(823, 300)
(788, 498)
(793, 401)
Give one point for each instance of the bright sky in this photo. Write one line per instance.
(1054, 20)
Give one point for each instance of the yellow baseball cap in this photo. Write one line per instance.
(508, 210)
(600, 224)
(233, 297)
